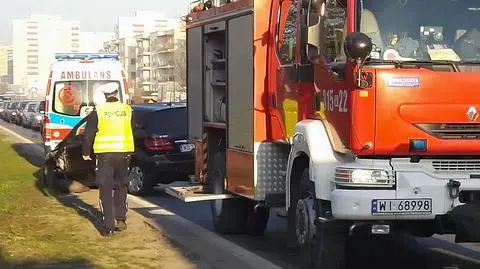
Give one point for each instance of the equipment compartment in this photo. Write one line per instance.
(215, 79)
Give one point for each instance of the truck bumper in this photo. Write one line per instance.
(427, 179)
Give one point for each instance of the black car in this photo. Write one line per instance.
(163, 153)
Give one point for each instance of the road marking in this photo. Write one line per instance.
(456, 255)
(205, 235)
(239, 252)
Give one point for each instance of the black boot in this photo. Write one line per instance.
(105, 232)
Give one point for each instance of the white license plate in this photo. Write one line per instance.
(401, 206)
(186, 147)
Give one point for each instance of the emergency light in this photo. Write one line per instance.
(86, 56)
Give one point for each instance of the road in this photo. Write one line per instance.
(401, 251)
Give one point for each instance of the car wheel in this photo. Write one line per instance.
(139, 182)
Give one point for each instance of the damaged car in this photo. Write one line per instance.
(163, 153)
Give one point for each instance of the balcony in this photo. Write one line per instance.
(144, 81)
(164, 50)
(143, 51)
(165, 66)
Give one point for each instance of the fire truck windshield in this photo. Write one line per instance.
(422, 30)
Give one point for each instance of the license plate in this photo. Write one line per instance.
(402, 206)
(186, 147)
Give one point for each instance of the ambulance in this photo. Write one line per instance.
(74, 88)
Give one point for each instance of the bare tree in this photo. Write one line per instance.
(180, 71)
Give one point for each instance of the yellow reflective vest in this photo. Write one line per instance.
(114, 128)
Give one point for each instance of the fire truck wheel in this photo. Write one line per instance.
(323, 244)
(300, 222)
(228, 214)
(257, 219)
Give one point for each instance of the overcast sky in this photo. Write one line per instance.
(94, 15)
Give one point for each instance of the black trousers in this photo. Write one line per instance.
(111, 176)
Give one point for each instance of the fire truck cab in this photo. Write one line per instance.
(351, 115)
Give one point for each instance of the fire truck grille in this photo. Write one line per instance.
(466, 131)
(457, 165)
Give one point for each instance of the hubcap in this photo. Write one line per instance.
(136, 179)
(304, 221)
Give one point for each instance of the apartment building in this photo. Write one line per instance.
(4, 53)
(127, 48)
(129, 28)
(35, 42)
(10, 66)
(168, 63)
(144, 67)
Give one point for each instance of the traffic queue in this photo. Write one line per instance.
(26, 113)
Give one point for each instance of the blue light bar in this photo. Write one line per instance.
(86, 56)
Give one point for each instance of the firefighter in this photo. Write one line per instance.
(109, 131)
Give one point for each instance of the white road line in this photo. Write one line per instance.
(239, 252)
(24, 139)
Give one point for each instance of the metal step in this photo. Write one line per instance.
(191, 192)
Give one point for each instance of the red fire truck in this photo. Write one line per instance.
(351, 115)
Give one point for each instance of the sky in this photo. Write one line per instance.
(94, 15)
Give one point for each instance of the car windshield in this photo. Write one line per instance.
(71, 96)
(170, 121)
(14, 105)
(422, 30)
(23, 105)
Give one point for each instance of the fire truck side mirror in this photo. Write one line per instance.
(358, 46)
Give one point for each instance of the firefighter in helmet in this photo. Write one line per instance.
(109, 131)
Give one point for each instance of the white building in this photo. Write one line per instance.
(93, 41)
(4, 53)
(35, 42)
(143, 23)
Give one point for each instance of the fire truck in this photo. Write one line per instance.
(350, 116)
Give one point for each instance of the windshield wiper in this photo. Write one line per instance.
(416, 63)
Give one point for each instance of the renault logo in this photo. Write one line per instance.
(472, 114)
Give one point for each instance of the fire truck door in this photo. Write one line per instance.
(285, 91)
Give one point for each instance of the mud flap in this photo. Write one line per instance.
(467, 222)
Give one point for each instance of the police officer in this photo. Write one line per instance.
(109, 129)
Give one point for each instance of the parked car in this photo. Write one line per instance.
(19, 112)
(37, 124)
(11, 113)
(3, 108)
(163, 153)
(33, 115)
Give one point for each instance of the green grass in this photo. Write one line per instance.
(37, 229)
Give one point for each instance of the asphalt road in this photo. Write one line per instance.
(398, 252)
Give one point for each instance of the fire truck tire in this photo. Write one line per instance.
(229, 215)
(323, 244)
(257, 219)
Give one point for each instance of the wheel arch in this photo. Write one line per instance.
(316, 145)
